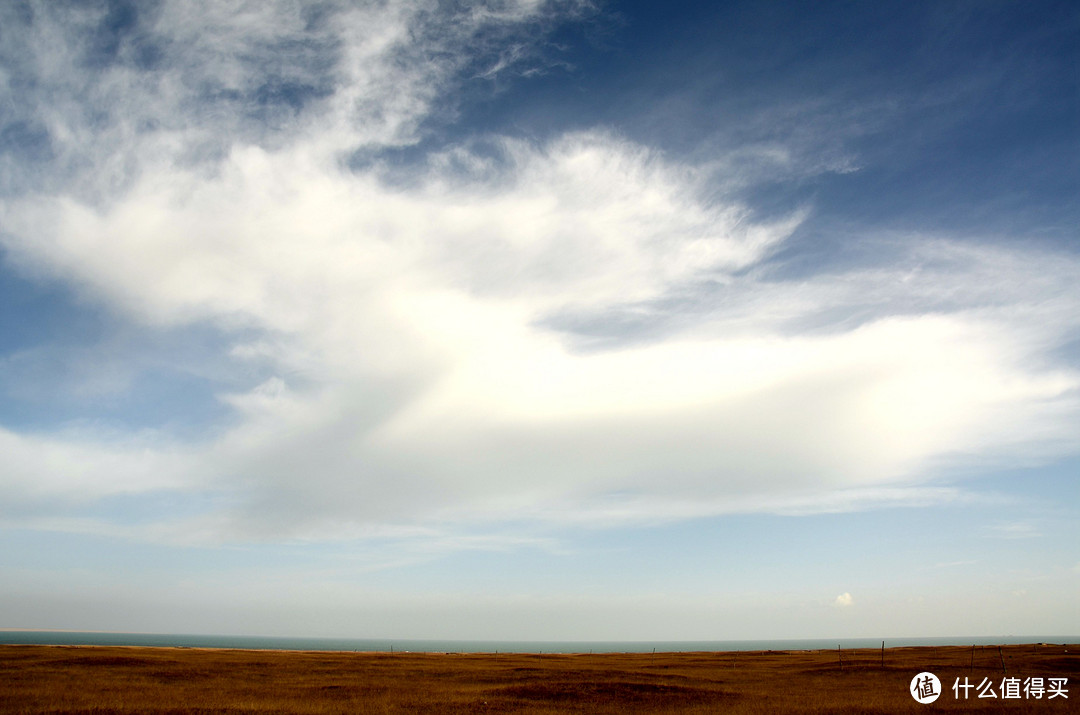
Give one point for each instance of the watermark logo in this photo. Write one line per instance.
(925, 688)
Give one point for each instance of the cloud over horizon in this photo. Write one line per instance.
(574, 329)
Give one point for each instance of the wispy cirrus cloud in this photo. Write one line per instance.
(1016, 530)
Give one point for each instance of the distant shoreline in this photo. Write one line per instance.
(14, 636)
(1074, 644)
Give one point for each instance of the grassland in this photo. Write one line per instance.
(180, 681)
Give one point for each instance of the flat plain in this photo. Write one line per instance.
(93, 680)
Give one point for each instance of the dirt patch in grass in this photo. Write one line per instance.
(610, 691)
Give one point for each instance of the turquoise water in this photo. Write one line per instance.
(482, 646)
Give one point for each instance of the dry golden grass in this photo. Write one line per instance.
(171, 681)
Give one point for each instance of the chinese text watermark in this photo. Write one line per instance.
(926, 688)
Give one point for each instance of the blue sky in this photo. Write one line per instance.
(531, 319)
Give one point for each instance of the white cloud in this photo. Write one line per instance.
(412, 324)
(57, 472)
(1016, 530)
(843, 600)
(414, 318)
(187, 81)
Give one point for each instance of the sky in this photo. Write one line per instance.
(540, 319)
